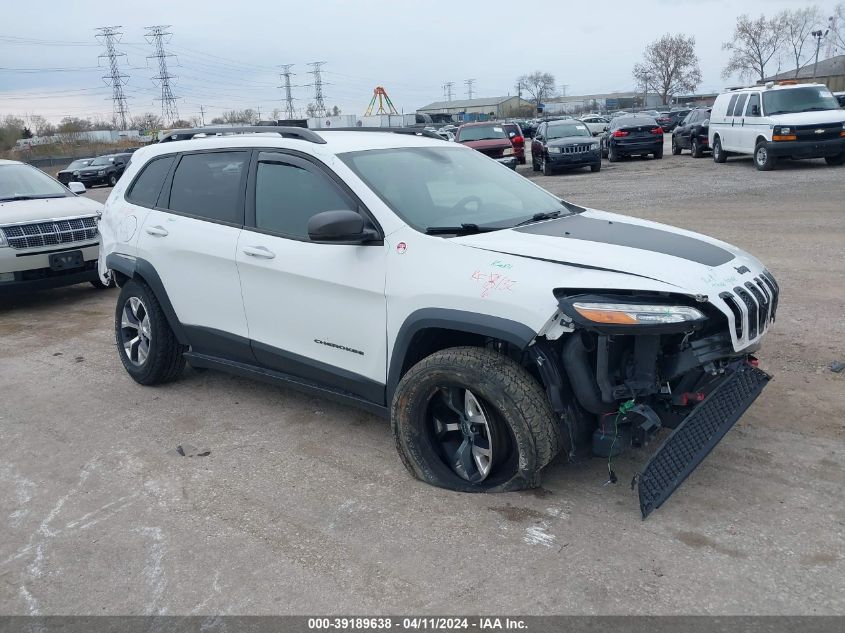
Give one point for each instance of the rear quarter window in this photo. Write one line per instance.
(147, 186)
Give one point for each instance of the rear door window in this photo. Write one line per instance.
(731, 105)
(210, 185)
(147, 186)
(740, 104)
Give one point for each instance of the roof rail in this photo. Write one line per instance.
(285, 131)
(415, 131)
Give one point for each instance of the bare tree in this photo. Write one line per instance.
(670, 65)
(40, 125)
(796, 27)
(539, 85)
(755, 43)
(838, 34)
(335, 111)
(147, 122)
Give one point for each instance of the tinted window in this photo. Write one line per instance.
(633, 121)
(731, 105)
(209, 186)
(286, 197)
(148, 185)
(740, 104)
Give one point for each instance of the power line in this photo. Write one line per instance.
(155, 35)
(290, 112)
(319, 104)
(469, 84)
(110, 35)
(447, 90)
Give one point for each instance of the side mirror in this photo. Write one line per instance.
(339, 226)
(76, 187)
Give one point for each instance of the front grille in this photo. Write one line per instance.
(495, 152)
(575, 149)
(50, 233)
(759, 297)
(821, 132)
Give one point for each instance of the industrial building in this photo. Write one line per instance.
(830, 72)
(494, 107)
(574, 104)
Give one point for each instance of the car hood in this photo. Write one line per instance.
(94, 169)
(681, 261)
(487, 144)
(14, 212)
(809, 118)
(570, 140)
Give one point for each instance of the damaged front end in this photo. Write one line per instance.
(637, 362)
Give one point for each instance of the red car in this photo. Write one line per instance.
(490, 139)
(517, 140)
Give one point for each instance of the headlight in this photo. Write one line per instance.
(635, 314)
(3, 240)
(102, 172)
(555, 150)
(594, 145)
(508, 152)
(782, 130)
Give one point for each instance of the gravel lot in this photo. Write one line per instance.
(304, 507)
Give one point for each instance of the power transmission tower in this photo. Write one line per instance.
(469, 84)
(447, 90)
(290, 112)
(319, 104)
(109, 35)
(155, 35)
(202, 114)
(518, 87)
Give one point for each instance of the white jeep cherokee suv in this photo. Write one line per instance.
(48, 234)
(494, 324)
(778, 121)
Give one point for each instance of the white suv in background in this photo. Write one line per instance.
(778, 121)
(493, 323)
(48, 234)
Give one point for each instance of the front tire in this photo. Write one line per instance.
(764, 160)
(612, 156)
(99, 284)
(839, 159)
(112, 180)
(473, 420)
(147, 345)
(719, 155)
(595, 168)
(676, 150)
(546, 167)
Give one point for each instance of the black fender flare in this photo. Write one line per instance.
(137, 268)
(513, 332)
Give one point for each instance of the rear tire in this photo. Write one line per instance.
(147, 346)
(534, 164)
(764, 160)
(612, 156)
(658, 154)
(839, 159)
(432, 418)
(719, 155)
(696, 150)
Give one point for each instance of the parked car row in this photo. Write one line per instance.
(102, 170)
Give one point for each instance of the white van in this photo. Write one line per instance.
(778, 121)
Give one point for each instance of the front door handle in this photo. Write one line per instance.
(157, 231)
(259, 251)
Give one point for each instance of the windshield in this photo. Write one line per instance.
(102, 160)
(78, 164)
(568, 129)
(22, 182)
(808, 99)
(450, 186)
(482, 133)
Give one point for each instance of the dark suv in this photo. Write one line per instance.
(69, 173)
(490, 139)
(104, 170)
(691, 133)
(564, 144)
(634, 135)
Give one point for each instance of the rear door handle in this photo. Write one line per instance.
(259, 251)
(157, 231)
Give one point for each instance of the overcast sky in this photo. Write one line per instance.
(227, 53)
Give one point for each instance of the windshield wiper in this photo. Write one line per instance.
(465, 228)
(538, 217)
(29, 197)
(815, 109)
